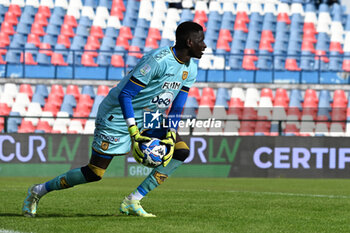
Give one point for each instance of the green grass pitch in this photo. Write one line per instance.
(185, 205)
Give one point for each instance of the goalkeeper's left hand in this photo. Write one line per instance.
(169, 140)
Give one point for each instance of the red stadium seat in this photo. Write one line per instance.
(281, 92)
(26, 88)
(28, 59)
(73, 90)
(194, 91)
(34, 39)
(346, 65)
(102, 90)
(154, 33)
(4, 39)
(291, 64)
(11, 18)
(248, 62)
(7, 28)
(91, 50)
(49, 107)
(266, 92)
(88, 60)
(45, 10)
(67, 30)
(63, 39)
(26, 127)
(206, 101)
(263, 127)
(151, 43)
(247, 128)
(14, 8)
(41, 19)
(44, 126)
(243, 16)
(223, 44)
(339, 94)
(4, 109)
(201, 16)
(208, 91)
(117, 12)
(283, 17)
(335, 47)
(58, 60)
(307, 45)
(125, 32)
(122, 41)
(96, 31)
(37, 29)
(309, 28)
(225, 34)
(45, 48)
(117, 60)
(267, 35)
(235, 107)
(71, 21)
(2, 61)
(265, 45)
(321, 55)
(135, 51)
(58, 90)
(241, 25)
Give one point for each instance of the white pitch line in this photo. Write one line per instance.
(9, 231)
(267, 193)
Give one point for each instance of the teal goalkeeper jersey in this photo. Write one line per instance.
(161, 75)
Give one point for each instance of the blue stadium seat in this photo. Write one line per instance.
(65, 107)
(223, 93)
(256, 17)
(82, 30)
(74, 57)
(112, 32)
(141, 32)
(131, 61)
(186, 15)
(13, 56)
(103, 3)
(89, 90)
(213, 24)
(56, 19)
(103, 59)
(96, 104)
(50, 39)
(26, 18)
(38, 98)
(69, 100)
(347, 24)
(43, 59)
(15, 117)
(165, 42)
(108, 43)
(31, 10)
(53, 29)
(307, 61)
(91, 3)
(310, 7)
(19, 39)
(84, 20)
(23, 28)
(58, 11)
(42, 90)
(142, 23)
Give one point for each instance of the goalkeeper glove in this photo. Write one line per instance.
(169, 140)
(137, 138)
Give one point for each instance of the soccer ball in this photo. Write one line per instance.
(153, 152)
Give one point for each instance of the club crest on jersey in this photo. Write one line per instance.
(104, 145)
(184, 75)
(144, 70)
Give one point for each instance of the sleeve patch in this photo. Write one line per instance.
(145, 69)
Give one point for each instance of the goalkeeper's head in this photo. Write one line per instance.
(190, 37)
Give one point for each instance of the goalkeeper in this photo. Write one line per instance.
(161, 79)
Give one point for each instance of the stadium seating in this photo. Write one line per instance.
(242, 111)
(249, 37)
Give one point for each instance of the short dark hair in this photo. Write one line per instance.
(184, 30)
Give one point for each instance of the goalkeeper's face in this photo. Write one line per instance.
(196, 44)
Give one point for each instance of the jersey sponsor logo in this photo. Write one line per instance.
(171, 85)
(144, 70)
(184, 75)
(161, 54)
(163, 100)
(169, 75)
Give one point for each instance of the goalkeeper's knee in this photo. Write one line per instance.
(181, 151)
(92, 172)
